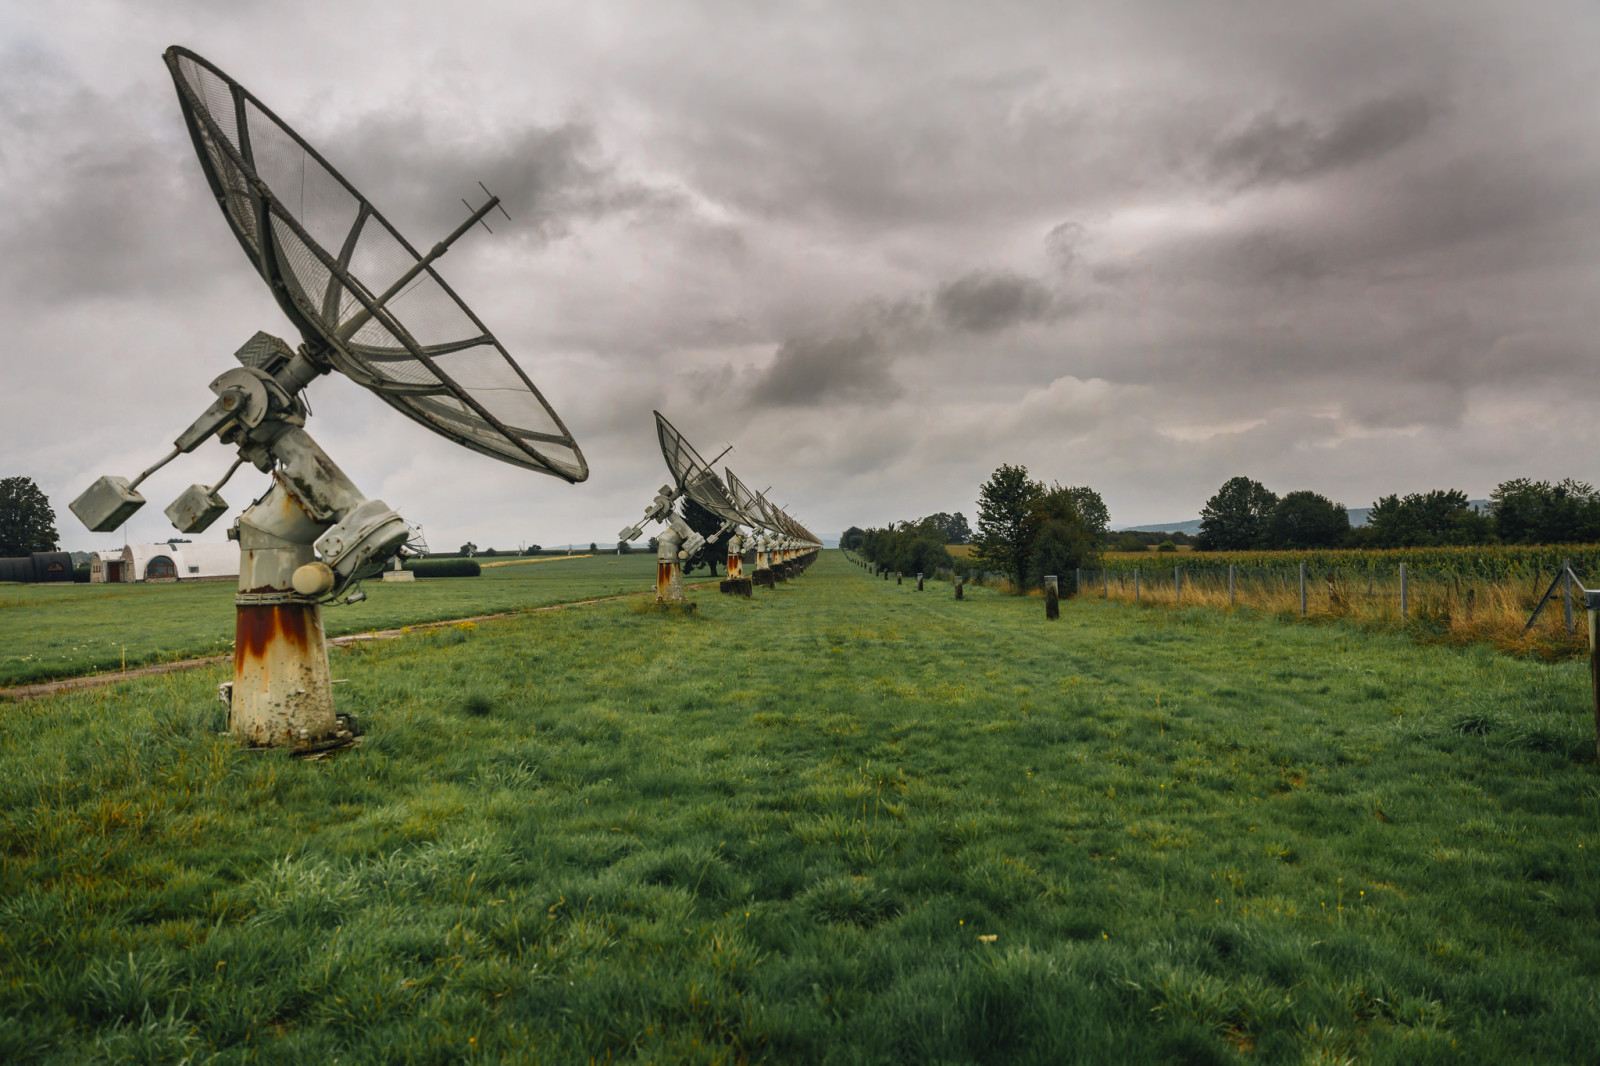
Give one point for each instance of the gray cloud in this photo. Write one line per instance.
(1343, 247)
(550, 178)
(1272, 149)
(986, 302)
(812, 370)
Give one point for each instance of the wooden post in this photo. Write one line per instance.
(1052, 598)
(957, 581)
(1105, 575)
(1136, 584)
(1177, 586)
(1230, 584)
(1591, 600)
(919, 582)
(1566, 590)
(1302, 590)
(1077, 580)
(1403, 592)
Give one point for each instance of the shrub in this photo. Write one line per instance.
(1166, 546)
(444, 567)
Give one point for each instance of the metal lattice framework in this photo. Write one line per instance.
(752, 506)
(694, 475)
(362, 297)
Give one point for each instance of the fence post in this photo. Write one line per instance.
(1077, 580)
(1403, 592)
(1230, 584)
(1566, 590)
(1052, 598)
(1105, 575)
(1591, 600)
(1302, 590)
(1136, 584)
(1177, 586)
(919, 582)
(956, 580)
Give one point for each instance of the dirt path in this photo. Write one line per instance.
(72, 684)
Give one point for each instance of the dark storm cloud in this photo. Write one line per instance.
(550, 178)
(1272, 148)
(984, 302)
(813, 370)
(98, 205)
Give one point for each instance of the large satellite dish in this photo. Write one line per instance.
(694, 475)
(366, 304)
(362, 297)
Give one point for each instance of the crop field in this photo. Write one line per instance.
(1454, 595)
(49, 631)
(841, 822)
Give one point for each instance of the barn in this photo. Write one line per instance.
(40, 566)
(175, 560)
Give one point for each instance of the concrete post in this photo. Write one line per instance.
(919, 582)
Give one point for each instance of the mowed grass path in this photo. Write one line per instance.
(841, 822)
(50, 631)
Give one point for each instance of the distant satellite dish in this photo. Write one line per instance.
(362, 297)
(368, 305)
(751, 504)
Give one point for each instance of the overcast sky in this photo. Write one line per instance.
(878, 248)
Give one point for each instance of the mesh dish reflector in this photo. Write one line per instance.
(328, 255)
(751, 506)
(694, 475)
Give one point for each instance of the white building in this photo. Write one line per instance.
(176, 560)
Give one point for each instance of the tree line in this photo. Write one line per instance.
(1245, 515)
(1027, 530)
(917, 546)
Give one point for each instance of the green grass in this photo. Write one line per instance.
(778, 830)
(49, 631)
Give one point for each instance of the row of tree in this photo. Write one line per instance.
(914, 547)
(1245, 515)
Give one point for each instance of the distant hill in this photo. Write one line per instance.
(1358, 517)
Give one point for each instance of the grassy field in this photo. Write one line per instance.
(49, 631)
(841, 822)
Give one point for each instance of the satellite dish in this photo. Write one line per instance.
(364, 300)
(690, 474)
(368, 305)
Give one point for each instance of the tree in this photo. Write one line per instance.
(1060, 538)
(1236, 517)
(623, 547)
(1537, 512)
(653, 543)
(952, 528)
(1307, 519)
(1442, 516)
(532, 549)
(850, 540)
(27, 522)
(706, 523)
(469, 549)
(1003, 539)
(1091, 510)
(593, 547)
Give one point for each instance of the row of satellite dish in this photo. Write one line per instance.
(369, 305)
(778, 540)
